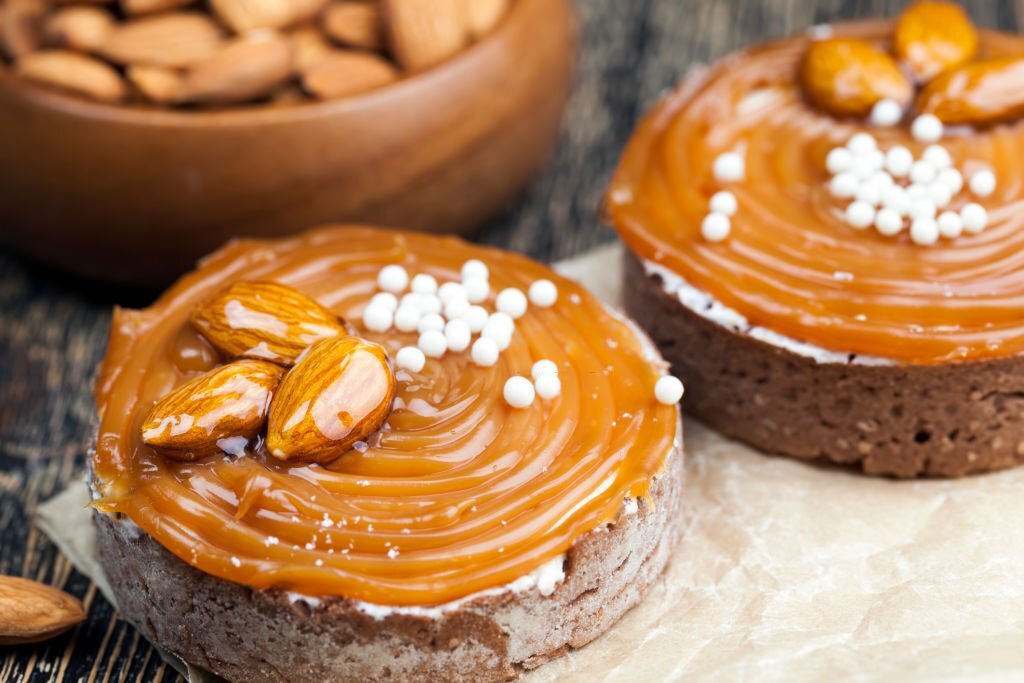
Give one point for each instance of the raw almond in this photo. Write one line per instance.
(934, 36)
(355, 23)
(207, 414)
(264, 320)
(246, 15)
(982, 92)
(135, 8)
(846, 77)
(173, 40)
(338, 393)
(21, 26)
(483, 15)
(157, 84)
(246, 69)
(79, 27)
(73, 73)
(341, 74)
(308, 46)
(425, 32)
(31, 612)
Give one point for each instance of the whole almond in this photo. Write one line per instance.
(243, 16)
(21, 26)
(934, 36)
(246, 69)
(355, 23)
(264, 320)
(423, 33)
(339, 392)
(483, 15)
(979, 93)
(173, 40)
(74, 73)
(342, 74)
(157, 84)
(79, 27)
(211, 413)
(847, 77)
(309, 45)
(136, 8)
(31, 612)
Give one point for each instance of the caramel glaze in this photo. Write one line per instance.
(465, 492)
(790, 264)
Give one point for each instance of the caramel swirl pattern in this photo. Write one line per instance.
(790, 263)
(457, 493)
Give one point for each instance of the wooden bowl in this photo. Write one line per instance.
(134, 196)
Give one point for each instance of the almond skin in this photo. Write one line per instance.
(246, 69)
(979, 93)
(934, 36)
(173, 40)
(338, 393)
(264, 320)
(229, 401)
(846, 77)
(31, 612)
(355, 23)
(423, 33)
(343, 73)
(73, 73)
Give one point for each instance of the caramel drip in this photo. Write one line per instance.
(457, 493)
(790, 263)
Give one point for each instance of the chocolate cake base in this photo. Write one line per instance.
(251, 635)
(897, 420)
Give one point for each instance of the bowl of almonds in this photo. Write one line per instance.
(138, 135)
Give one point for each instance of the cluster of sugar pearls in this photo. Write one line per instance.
(729, 167)
(893, 191)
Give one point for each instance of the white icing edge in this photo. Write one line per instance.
(709, 308)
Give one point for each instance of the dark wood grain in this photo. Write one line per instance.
(53, 329)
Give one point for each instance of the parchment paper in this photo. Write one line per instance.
(790, 572)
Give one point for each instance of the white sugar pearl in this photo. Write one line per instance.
(431, 321)
(916, 192)
(898, 161)
(377, 318)
(543, 293)
(924, 231)
(477, 289)
(937, 156)
(501, 338)
(837, 160)
(888, 222)
(456, 308)
(922, 173)
(407, 318)
(668, 390)
(433, 343)
(869, 193)
(843, 185)
(501, 321)
(476, 318)
(939, 194)
(715, 227)
(896, 199)
(543, 367)
(458, 335)
(975, 218)
(424, 284)
(922, 208)
(864, 165)
(886, 113)
(484, 352)
(519, 392)
(725, 202)
(951, 178)
(449, 291)
(410, 358)
(880, 179)
(729, 167)
(859, 215)
(475, 268)
(512, 302)
(982, 183)
(385, 299)
(409, 299)
(950, 224)
(548, 386)
(393, 279)
(926, 128)
(428, 303)
(861, 143)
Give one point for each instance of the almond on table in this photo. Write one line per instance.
(31, 612)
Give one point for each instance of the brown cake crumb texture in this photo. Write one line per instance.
(897, 420)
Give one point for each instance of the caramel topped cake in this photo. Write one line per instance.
(848, 197)
(385, 425)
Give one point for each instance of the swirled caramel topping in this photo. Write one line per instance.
(791, 263)
(457, 492)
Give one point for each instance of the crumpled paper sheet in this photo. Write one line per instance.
(790, 572)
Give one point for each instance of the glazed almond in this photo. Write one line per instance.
(73, 73)
(170, 40)
(934, 36)
(423, 34)
(341, 74)
(264, 320)
(982, 92)
(205, 415)
(846, 77)
(246, 69)
(355, 23)
(31, 612)
(338, 393)
(80, 27)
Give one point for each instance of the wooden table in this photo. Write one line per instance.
(53, 330)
